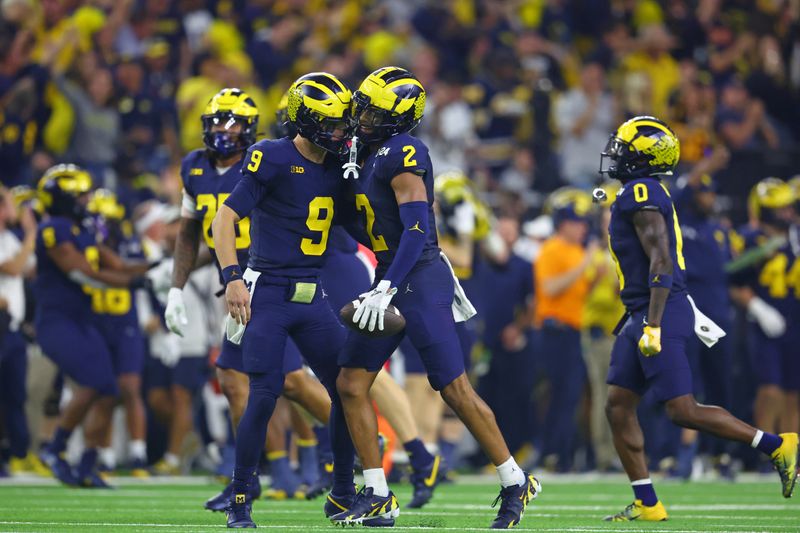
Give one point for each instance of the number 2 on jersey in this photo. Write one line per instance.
(377, 241)
(316, 221)
(409, 150)
(211, 203)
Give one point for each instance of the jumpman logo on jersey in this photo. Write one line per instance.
(416, 227)
(408, 289)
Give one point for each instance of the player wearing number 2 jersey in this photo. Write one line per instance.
(650, 350)
(289, 189)
(394, 196)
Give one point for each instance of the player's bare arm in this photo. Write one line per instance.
(654, 237)
(186, 251)
(408, 187)
(236, 295)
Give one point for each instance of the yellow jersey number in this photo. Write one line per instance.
(211, 203)
(778, 278)
(409, 150)
(318, 222)
(377, 241)
(111, 301)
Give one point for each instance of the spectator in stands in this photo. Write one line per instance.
(741, 120)
(584, 116)
(651, 73)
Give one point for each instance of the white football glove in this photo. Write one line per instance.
(370, 311)
(175, 315)
(769, 319)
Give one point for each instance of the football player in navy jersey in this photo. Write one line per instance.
(650, 351)
(394, 197)
(70, 264)
(288, 189)
(118, 323)
(767, 286)
(230, 122)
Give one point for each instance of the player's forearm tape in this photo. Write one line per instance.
(231, 273)
(663, 281)
(414, 216)
(82, 279)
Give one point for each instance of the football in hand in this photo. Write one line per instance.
(393, 321)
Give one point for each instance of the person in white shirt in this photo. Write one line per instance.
(16, 258)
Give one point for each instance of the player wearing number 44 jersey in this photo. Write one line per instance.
(394, 196)
(650, 350)
(289, 189)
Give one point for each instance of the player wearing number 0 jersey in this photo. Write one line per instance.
(650, 351)
(394, 198)
(289, 189)
(209, 176)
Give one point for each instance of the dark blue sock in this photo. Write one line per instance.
(447, 450)
(252, 431)
(307, 456)
(60, 438)
(324, 451)
(343, 452)
(88, 460)
(419, 456)
(685, 459)
(646, 493)
(769, 443)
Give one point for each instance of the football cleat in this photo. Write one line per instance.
(284, 484)
(139, 469)
(513, 502)
(638, 511)
(369, 510)
(93, 480)
(163, 468)
(30, 464)
(59, 467)
(238, 512)
(220, 502)
(323, 483)
(784, 459)
(425, 481)
(335, 504)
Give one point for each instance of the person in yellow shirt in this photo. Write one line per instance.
(601, 312)
(562, 286)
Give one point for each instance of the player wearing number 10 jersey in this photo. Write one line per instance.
(289, 189)
(650, 350)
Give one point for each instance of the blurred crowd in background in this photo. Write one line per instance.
(522, 96)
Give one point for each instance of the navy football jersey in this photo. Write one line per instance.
(633, 265)
(117, 304)
(707, 248)
(208, 189)
(54, 291)
(291, 203)
(376, 204)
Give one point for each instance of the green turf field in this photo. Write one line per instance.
(566, 504)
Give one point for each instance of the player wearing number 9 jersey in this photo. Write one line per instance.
(209, 176)
(650, 350)
(289, 189)
(70, 263)
(394, 200)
